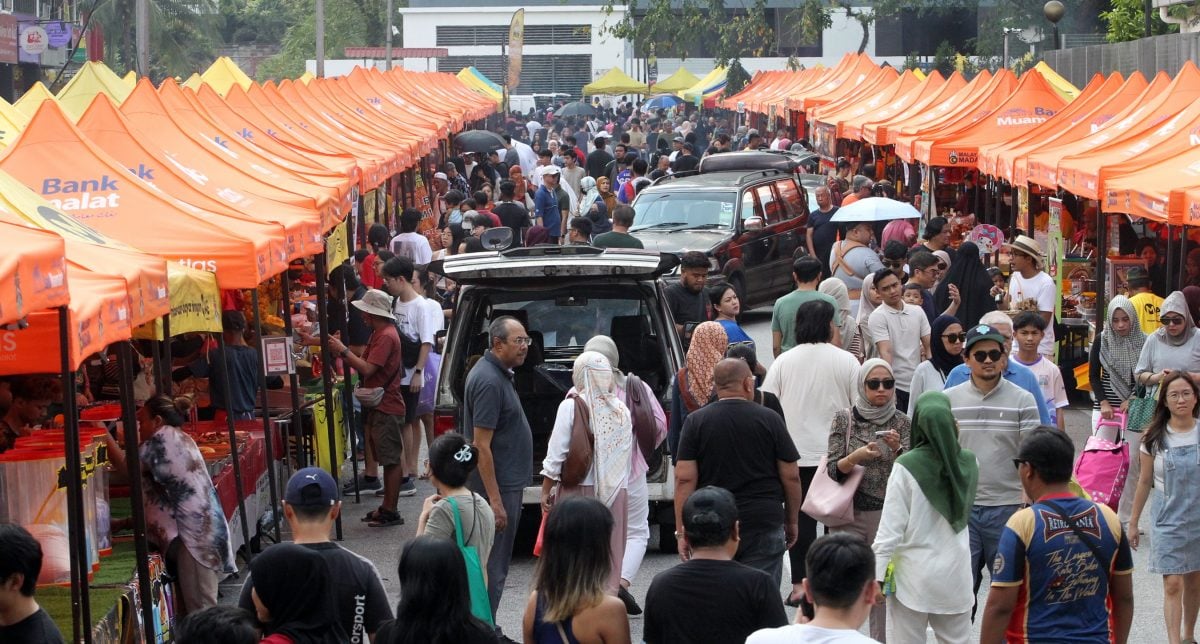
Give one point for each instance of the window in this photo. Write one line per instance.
(772, 209)
(794, 200)
(683, 210)
(558, 34)
(571, 319)
(539, 74)
(496, 35)
(748, 207)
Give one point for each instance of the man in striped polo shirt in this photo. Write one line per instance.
(992, 415)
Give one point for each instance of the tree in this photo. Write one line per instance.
(348, 23)
(1126, 21)
(182, 33)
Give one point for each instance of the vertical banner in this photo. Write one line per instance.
(516, 42)
(1054, 251)
(652, 67)
(421, 197)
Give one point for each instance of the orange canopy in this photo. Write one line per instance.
(1156, 191)
(1032, 103)
(121, 203)
(215, 186)
(1135, 120)
(884, 127)
(973, 106)
(33, 277)
(858, 107)
(859, 78)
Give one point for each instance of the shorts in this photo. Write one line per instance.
(383, 432)
(412, 400)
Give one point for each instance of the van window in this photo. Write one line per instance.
(683, 210)
(793, 197)
(562, 320)
(749, 208)
(771, 207)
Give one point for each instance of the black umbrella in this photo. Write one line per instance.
(479, 141)
(576, 108)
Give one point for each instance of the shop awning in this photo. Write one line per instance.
(971, 105)
(847, 95)
(193, 82)
(852, 127)
(195, 304)
(681, 80)
(477, 82)
(91, 79)
(223, 74)
(850, 80)
(884, 130)
(857, 106)
(1157, 191)
(1061, 85)
(130, 78)
(712, 84)
(615, 82)
(32, 274)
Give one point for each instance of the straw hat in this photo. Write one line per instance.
(1028, 246)
(375, 302)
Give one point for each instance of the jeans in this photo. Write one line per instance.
(985, 526)
(808, 529)
(502, 547)
(763, 550)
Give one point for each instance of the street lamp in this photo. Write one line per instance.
(1008, 31)
(1054, 10)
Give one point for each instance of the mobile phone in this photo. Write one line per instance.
(807, 608)
(883, 433)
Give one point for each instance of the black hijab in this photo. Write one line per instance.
(968, 273)
(942, 360)
(293, 583)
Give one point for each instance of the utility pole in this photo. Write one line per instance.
(320, 18)
(141, 20)
(388, 47)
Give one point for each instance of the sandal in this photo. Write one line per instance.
(385, 518)
(372, 515)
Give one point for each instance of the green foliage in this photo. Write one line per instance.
(736, 79)
(943, 58)
(348, 23)
(1125, 21)
(182, 36)
(912, 61)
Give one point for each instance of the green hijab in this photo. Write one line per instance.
(946, 472)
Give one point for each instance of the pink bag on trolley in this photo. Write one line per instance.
(1103, 464)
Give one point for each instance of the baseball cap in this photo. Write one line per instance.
(1137, 276)
(678, 139)
(311, 486)
(550, 169)
(984, 332)
(710, 509)
(441, 175)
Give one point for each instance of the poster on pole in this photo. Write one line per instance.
(1054, 251)
(277, 355)
(516, 42)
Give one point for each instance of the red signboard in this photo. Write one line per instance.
(8, 38)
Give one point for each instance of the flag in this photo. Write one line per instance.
(516, 42)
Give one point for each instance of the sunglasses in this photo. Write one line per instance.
(886, 383)
(1171, 321)
(983, 356)
(955, 338)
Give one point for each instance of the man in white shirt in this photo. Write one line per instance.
(409, 243)
(1032, 289)
(901, 333)
(841, 584)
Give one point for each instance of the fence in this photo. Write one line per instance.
(1149, 55)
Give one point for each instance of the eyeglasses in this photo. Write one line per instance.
(522, 341)
(875, 384)
(1180, 395)
(983, 356)
(1171, 320)
(895, 264)
(955, 338)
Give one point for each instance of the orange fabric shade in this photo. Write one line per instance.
(1156, 191)
(973, 107)
(857, 107)
(34, 277)
(884, 129)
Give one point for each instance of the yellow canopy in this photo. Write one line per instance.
(224, 74)
(91, 79)
(681, 80)
(32, 99)
(477, 82)
(712, 84)
(130, 79)
(615, 82)
(306, 77)
(193, 82)
(1061, 85)
(918, 73)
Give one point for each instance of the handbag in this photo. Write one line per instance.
(579, 453)
(481, 605)
(1140, 410)
(371, 397)
(831, 502)
(645, 427)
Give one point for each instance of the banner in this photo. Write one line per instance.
(1054, 252)
(337, 245)
(421, 197)
(516, 43)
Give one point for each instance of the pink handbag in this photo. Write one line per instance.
(828, 501)
(1103, 464)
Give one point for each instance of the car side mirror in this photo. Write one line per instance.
(752, 223)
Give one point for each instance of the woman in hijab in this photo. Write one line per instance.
(851, 340)
(591, 201)
(922, 548)
(974, 287)
(292, 597)
(1171, 348)
(537, 235)
(520, 185)
(869, 434)
(611, 428)
(946, 339)
(604, 186)
(867, 303)
(693, 386)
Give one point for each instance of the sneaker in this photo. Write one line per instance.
(364, 485)
(408, 488)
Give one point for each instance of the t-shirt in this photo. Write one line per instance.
(824, 231)
(1171, 440)
(860, 260)
(414, 321)
(783, 314)
(734, 333)
(513, 215)
(38, 628)
(1040, 288)
(613, 239)
(849, 199)
(550, 206)
(572, 178)
(413, 246)
(490, 401)
(808, 634)
(1147, 305)
(362, 603)
(991, 425)
(359, 331)
(688, 307)
(597, 161)
(1050, 381)
(810, 397)
(383, 351)
(243, 377)
(686, 162)
(681, 607)
(903, 328)
(1064, 589)
(737, 445)
(478, 523)
(1014, 372)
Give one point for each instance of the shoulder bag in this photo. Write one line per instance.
(371, 397)
(641, 412)
(579, 454)
(1141, 409)
(1087, 541)
(481, 605)
(828, 501)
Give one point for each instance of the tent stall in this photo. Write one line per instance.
(614, 82)
(475, 79)
(681, 80)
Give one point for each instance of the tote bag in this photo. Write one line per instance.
(1141, 409)
(828, 501)
(481, 605)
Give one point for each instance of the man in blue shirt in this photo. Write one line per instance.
(551, 203)
(1016, 373)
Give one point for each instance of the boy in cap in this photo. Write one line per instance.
(311, 505)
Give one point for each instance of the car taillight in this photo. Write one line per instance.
(444, 422)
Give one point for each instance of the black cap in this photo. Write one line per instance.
(1137, 276)
(709, 507)
(981, 332)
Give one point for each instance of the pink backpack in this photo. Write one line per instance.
(1103, 464)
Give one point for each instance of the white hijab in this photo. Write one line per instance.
(610, 421)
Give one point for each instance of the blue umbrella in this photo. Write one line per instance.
(661, 102)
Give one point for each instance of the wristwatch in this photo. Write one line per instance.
(344, 351)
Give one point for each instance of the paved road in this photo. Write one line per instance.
(383, 545)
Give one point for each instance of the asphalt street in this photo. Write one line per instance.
(382, 545)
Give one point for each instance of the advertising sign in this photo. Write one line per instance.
(8, 39)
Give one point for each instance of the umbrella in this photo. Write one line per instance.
(875, 209)
(575, 108)
(661, 102)
(478, 141)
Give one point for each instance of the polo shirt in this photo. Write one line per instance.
(1016, 373)
(991, 425)
(904, 328)
(490, 401)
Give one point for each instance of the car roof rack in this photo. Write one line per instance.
(548, 250)
(742, 179)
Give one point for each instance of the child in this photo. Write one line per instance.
(1028, 329)
(912, 294)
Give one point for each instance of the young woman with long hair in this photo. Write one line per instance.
(1170, 468)
(569, 604)
(435, 598)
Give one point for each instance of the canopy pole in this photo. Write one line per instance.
(233, 447)
(327, 372)
(1170, 254)
(81, 617)
(133, 469)
(168, 359)
(266, 418)
(285, 284)
(1101, 267)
